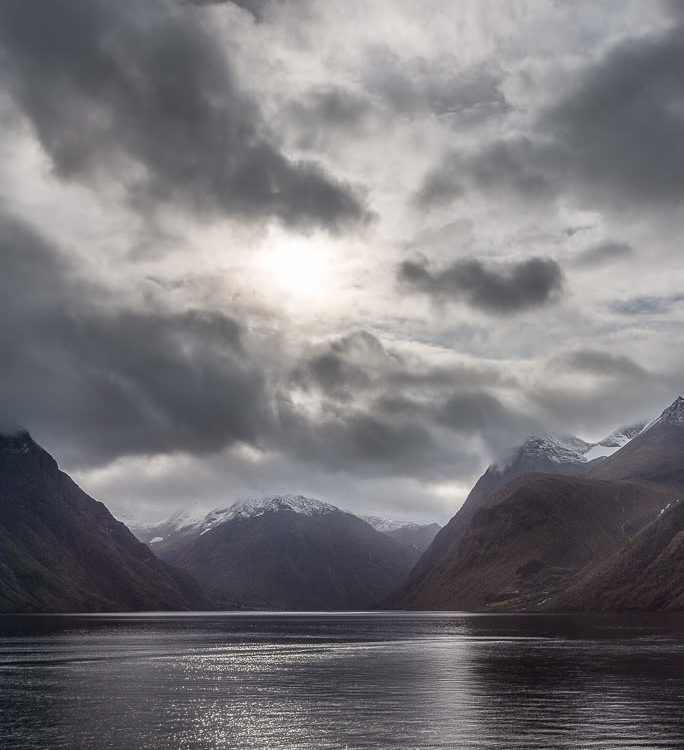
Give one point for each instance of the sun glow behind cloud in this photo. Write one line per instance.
(299, 266)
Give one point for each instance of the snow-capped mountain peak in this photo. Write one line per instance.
(561, 449)
(193, 521)
(567, 449)
(257, 507)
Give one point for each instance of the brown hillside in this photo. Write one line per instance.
(646, 574)
(531, 539)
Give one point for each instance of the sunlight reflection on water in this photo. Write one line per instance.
(332, 681)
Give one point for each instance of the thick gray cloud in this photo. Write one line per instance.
(474, 411)
(620, 129)
(411, 86)
(511, 167)
(362, 440)
(144, 92)
(606, 252)
(115, 381)
(602, 363)
(497, 288)
(384, 408)
(439, 188)
(328, 113)
(614, 137)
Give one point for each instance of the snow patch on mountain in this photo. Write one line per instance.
(563, 449)
(182, 519)
(560, 449)
(600, 451)
(386, 525)
(618, 438)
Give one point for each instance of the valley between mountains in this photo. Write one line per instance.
(557, 525)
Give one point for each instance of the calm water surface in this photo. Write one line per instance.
(342, 681)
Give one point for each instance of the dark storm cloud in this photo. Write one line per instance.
(439, 188)
(601, 363)
(358, 363)
(607, 252)
(473, 411)
(332, 374)
(344, 366)
(620, 129)
(143, 92)
(110, 381)
(330, 113)
(360, 440)
(647, 305)
(510, 167)
(352, 377)
(615, 137)
(498, 288)
(381, 407)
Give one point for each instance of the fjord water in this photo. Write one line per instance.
(377, 680)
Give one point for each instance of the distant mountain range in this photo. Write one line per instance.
(559, 527)
(289, 552)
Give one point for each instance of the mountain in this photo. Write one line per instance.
(566, 456)
(520, 541)
(646, 573)
(62, 551)
(287, 552)
(532, 538)
(416, 535)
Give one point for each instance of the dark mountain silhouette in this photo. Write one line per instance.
(61, 551)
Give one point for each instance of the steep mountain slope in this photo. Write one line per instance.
(532, 538)
(566, 456)
(646, 573)
(536, 535)
(288, 552)
(60, 550)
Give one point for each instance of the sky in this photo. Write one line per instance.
(355, 251)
